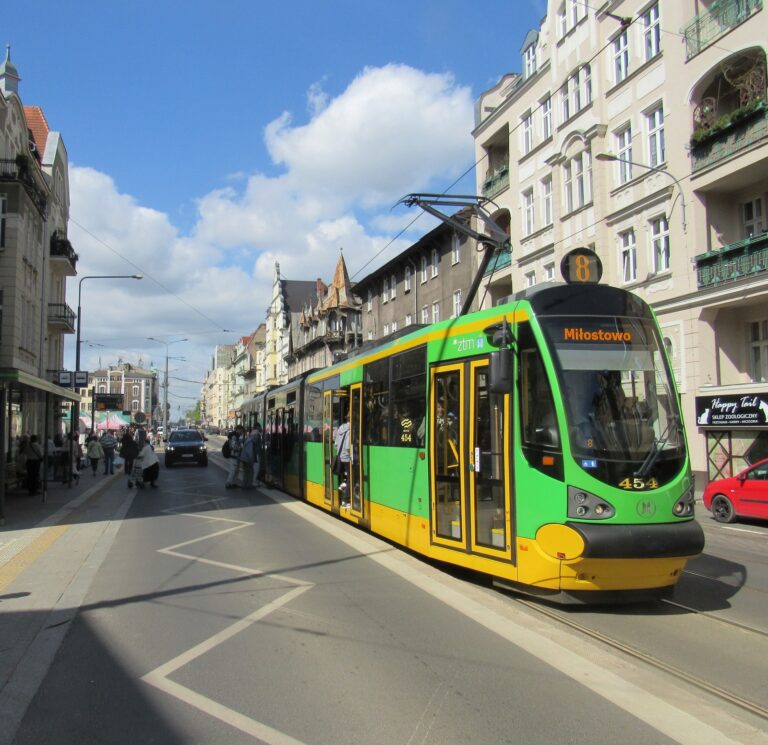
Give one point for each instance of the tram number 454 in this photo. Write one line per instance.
(637, 484)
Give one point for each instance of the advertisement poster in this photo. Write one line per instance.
(727, 411)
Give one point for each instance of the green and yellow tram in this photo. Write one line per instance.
(539, 442)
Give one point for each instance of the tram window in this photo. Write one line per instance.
(537, 407)
(376, 403)
(313, 413)
(408, 398)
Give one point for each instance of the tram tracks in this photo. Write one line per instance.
(740, 702)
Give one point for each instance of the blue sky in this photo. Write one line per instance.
(208, 140)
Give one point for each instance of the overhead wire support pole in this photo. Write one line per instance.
(497, 240)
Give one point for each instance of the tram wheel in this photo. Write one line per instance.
(722, 509)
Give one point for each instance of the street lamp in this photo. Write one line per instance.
(79, 312)
(655, 169)
(165, 383)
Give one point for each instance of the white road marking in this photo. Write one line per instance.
(743, 530)
(159, 677)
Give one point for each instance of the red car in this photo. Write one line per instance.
(743, 495)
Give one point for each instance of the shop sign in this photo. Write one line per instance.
(732, 410)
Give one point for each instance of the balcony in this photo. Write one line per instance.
(62, 252)
(501, 260)
(496, 182)
(731, 137)
(734, 261)
(62, 317)
(20, 169)
(712, 24)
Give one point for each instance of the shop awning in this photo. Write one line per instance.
(11, 375)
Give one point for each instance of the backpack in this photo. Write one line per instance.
(226, 449)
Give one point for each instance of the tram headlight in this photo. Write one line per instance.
(587, 506)
(684, 506)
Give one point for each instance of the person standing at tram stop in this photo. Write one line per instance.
(108, 444)
(235, 448)
(341, 443)
(129, 451)
(34, 461)
(94, 451)
(147, 459)
(247, 459)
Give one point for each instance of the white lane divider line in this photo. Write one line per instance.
(159, 677)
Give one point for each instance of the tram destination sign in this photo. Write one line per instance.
(727, 411)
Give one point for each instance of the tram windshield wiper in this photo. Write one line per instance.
(658, 445)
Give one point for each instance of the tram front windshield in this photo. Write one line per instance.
(622, 410)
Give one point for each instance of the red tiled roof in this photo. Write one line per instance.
(37, 123)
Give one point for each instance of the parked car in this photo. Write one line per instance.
(743, 495)
(186, 445)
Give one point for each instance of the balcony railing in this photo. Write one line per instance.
(501, 260)
(20, 170)
(736, 260)
(707, 27)
(735, 137)
(496, 182)
(61, 316)
(62, 248)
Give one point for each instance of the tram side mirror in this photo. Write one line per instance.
(500, 373)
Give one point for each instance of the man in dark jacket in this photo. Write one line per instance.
(129, 449)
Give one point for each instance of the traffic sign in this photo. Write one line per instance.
(139, 417)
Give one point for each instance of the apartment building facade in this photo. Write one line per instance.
(639, 129)
(35, 261)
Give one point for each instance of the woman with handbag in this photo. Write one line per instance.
(94, 451)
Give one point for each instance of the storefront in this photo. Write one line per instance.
(28, 405)
(736, 431)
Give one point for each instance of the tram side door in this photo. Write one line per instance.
(490, 502)
(469, 460)
(332, 419)
(356, 495)
(447, 455)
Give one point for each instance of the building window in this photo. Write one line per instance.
(385, 289)
(529, 60)
(546, 198)
(528, 212)
(656, 153)
(574, 11)
(134, 405)
(527, 133)
(624, 154)
(546, 118)
(435, 262)
(369, 304)
(651, 32)
(135, 390)
(620, 57)
(549, 272)
(568, 186)
(660, 244)
(562, 21)
(578, 166)
(456, 303)
(752, 213)
(455, 248)
(424, 265)
(394, 326)
(407, 278)
(530, 279)
(758, 351)
(435, 312)
(370, 335)
(628, 256)
(386, 329)
(393, 286)
(408, 319)
(565, 103)
(425, 314)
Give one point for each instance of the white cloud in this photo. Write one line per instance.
(394, 130)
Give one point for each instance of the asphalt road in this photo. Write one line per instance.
(214, 616)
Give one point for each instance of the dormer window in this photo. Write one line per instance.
(529, 60)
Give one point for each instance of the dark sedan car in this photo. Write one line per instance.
(186, 445)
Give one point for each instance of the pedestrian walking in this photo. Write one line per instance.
(150, 465)
(235, 447)
(109, 444)
(247, 460)
(34, 461)
(341, 464)
(129, 451)
(59, 457)
(94, 451)
(258, 451)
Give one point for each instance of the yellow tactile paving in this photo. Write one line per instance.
(25, 557)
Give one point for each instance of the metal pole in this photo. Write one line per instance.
(165, 396)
